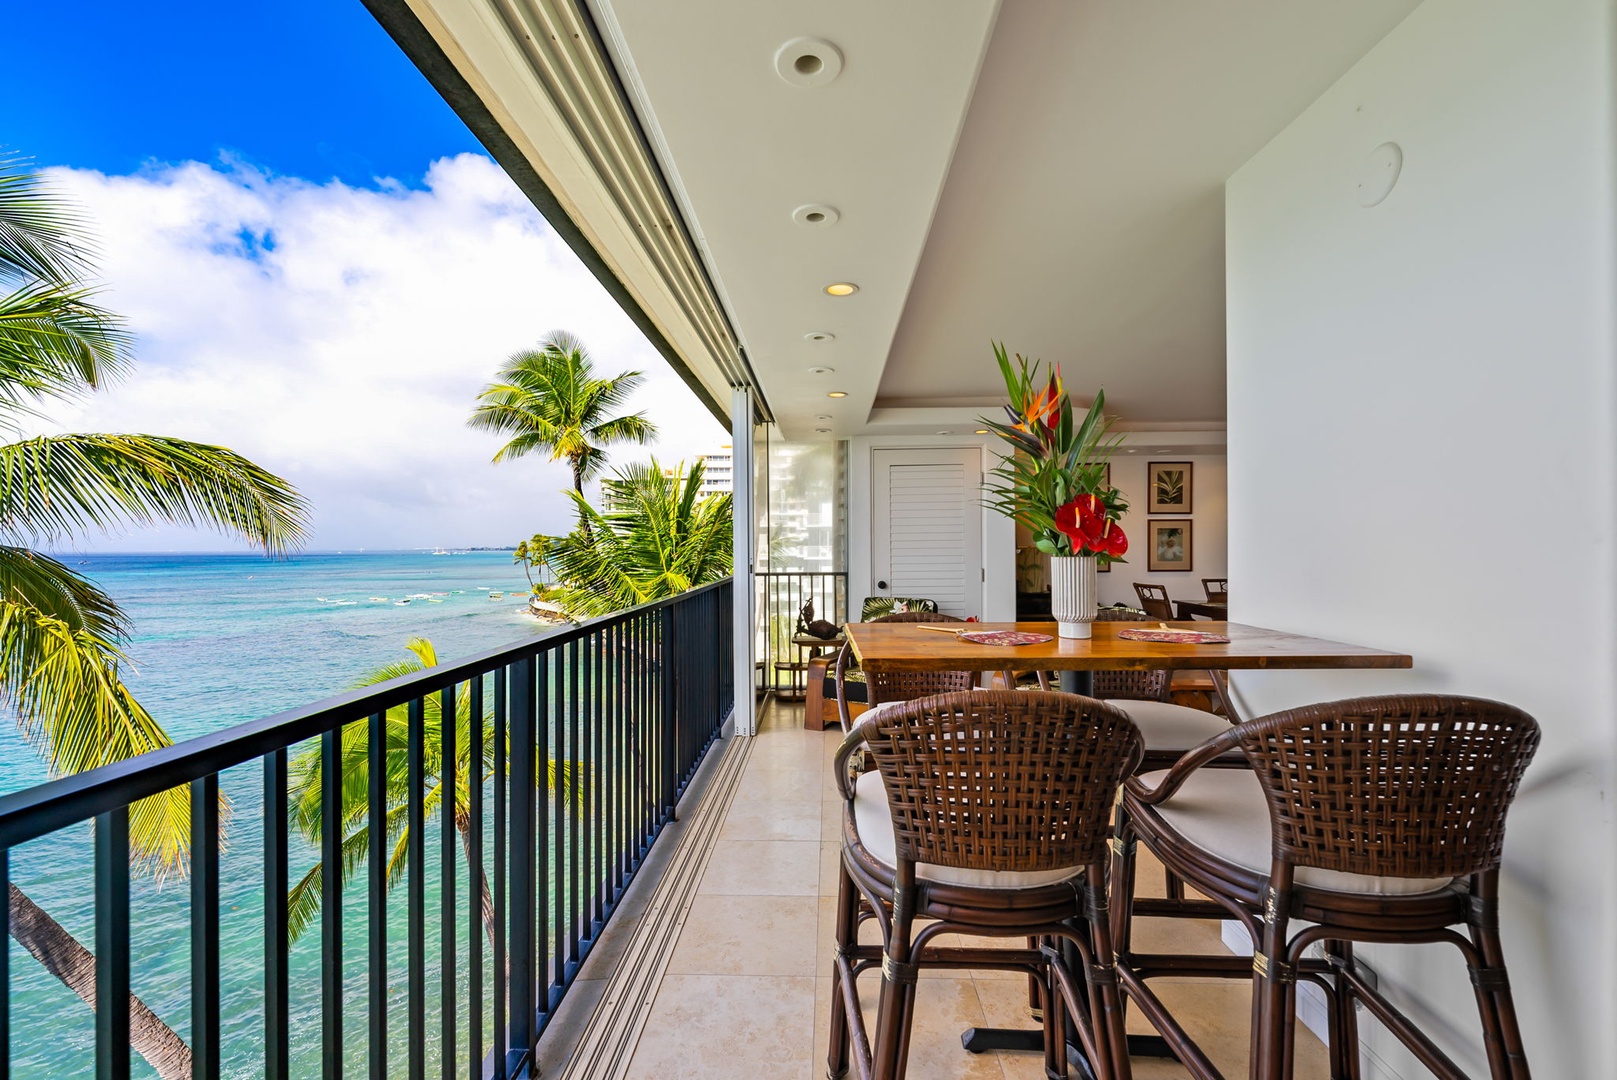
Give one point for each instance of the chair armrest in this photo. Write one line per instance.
(853, 741)
(843, 654)
(1217, 746)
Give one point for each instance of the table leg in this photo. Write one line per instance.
(1077, 682)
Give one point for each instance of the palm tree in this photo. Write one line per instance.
(60, 635)
(659, 538)
(549, 400)
(305, 807)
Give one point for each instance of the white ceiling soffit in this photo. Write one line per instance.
(1083, 219)
(745, 146)
(529, 77)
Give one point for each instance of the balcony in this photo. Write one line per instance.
(569, 756)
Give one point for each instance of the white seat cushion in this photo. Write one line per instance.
(1165, 726)
(1223, 812)
(874, 821)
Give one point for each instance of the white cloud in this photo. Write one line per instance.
(338, 336)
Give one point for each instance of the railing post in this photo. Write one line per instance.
(277, 1026)
(520, 910)
(670, 714)
(112, 945)
(204, 928)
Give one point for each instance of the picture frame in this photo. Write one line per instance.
(1168, 487)
(1168, 545)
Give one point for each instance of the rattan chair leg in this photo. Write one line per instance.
(1344, 1027)
(893, 1006)
(1271, 984)
(1501, 1034)
(847, 934)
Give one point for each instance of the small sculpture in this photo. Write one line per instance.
(808, 625)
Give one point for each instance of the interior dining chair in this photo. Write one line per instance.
(1154, 599)
(1217, 589)
(1376, 819)
(988, 815)
(880, 687)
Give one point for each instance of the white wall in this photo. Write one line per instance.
(999, 533)
(1421, 419)
(1209, 540)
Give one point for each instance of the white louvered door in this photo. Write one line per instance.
(926, 527)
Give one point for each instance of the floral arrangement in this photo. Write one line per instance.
(1055, 480)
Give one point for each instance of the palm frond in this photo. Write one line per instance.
(56, 342)
(53, 486)
(34, 580)
(40, 233)
(70, 702)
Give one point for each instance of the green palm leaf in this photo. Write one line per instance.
(54, 486)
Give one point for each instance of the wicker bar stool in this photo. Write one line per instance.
(988, 814)
(1169, 730)
(882, 687)
(1376, 819)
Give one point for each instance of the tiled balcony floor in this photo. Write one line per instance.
(746, 992)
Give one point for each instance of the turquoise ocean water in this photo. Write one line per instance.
(217, 640)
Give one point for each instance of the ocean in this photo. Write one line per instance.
(217, 640)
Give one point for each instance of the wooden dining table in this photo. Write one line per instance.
(915, 647)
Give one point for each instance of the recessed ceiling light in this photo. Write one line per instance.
(822, 370)
(837, 393)
(980, 431)
(841, 288)
(808, 61)
(817, 214)
(823, 430)
(823, 416)
(819, 335)
(1134, 451)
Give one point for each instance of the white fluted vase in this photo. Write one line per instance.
(1072, 594)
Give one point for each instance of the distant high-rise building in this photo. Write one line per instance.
(719, 477)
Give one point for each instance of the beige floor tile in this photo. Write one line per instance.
(749, 935)
(830, 867)
(727, 1027)
(768, 820)
(763, 868)
(831, 821)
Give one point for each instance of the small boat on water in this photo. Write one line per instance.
(378, 599)
(496, 595)
(401, 603)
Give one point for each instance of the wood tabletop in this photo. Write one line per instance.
(1209, 608)
(907, 647)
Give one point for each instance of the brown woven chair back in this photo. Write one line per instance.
(1402, 786)
(909, 685)
(1154, 598)
(1129, 685)
(1217, 589)
(1002, 780)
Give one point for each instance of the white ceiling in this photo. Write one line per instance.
(1067, 199)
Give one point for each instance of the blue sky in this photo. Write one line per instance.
(319, 263)
(308, 88)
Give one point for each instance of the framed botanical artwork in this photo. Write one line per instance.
(1168, 487)
(1167, 544)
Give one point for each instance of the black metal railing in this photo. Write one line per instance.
(781, 596)
(566, 759)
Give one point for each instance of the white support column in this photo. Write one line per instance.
(742, 529)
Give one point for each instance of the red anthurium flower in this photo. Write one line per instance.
(1083, 521)
(1116, 543)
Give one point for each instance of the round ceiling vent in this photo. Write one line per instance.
(819, 335)
(816, 214)
(808, 61)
